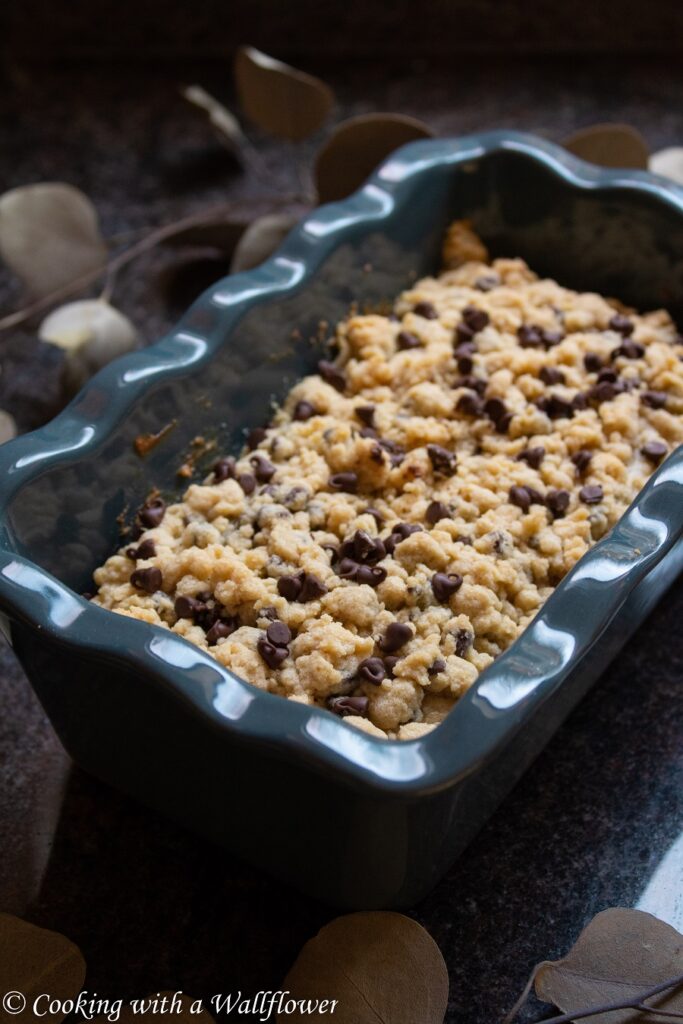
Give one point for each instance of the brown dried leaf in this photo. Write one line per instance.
(225, 124)
(34, 961)
(357, 146)
(609, 145)
(619, 954)
(49, 236)
(669, 163)
(278, 98)
(260, 239)
(383, 968)
(8, 428)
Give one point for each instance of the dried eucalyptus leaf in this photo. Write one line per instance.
(261, 239)
(383, 968)
(92, 333)
(8, 428)
(669, 163)
(609, 145)
(357, 146)
(226, 124)
(280, 99)
(49, 236)
(33, 961)
(618, 955)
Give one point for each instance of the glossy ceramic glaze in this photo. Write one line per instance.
(357, 821)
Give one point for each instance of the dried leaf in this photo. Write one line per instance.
(34, 961)
(357, 146)
(260, 239)
(8, 428)
(226, 124)
(92, 333)
(278, 98)
(669, 163)
(49, 236)
(383, 968)
(618, 955)
(609, 145)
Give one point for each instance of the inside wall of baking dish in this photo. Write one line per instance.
(68, 517)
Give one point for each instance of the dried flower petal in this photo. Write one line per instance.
(226, 124)
(92, 333)
(609, 145)
(260, 240)
(669, 163)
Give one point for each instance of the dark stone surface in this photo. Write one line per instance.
(154, 907)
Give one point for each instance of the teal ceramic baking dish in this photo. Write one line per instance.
(356, 821)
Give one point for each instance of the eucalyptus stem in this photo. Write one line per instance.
(110, 269)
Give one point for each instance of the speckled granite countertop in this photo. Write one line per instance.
(596, 822)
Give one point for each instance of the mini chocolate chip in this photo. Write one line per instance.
(557, 502)
(463, 642)
(367, 548)
(444, 585)
(263, 469)
(255, 436)
(502, 425)
(406, 340)
(312, 588)
(397, 634)
(654, 450)
(591, 494)
(592, 362)
(289, 587)
(470, 404)
(372, 575)
(272, 655)
(535, 497)
(224, 469)
(366, 414)
(247, 482)
(344, 482)
(269, 613)
(368, 432)
(487, 282)
(148, 580)
(654, 399)
(436, 510)
(427, 310)
(278, 633)
(377, 455)
(495, 409)
(376, 515)
(372, 670)
(390, 662)
(579, 401)
(463, 333)
(475, 318)
(303, 410)
(603, 391)
(404, 530)
(436, 666)
(530, 336)
(344, 706)
(532, 456)
(477, 384)
(465, 364)
(551, 375)
(332, 375)
(621, 324)
(582, 459)
(220, 629)
(152, 512)
(519, 496)
(441, 459)
(146, 549)
(187, 607)
(608, 374)
(347, 569)
(629, 349)
(555, 407)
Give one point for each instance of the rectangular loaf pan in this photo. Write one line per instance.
(351, 819)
